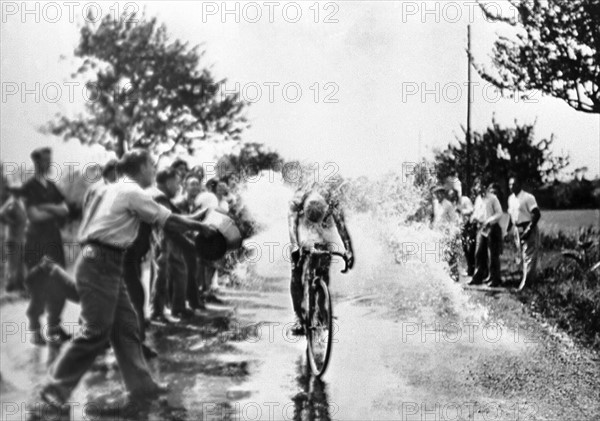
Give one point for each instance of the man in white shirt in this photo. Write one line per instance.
(488, 248)
(110, 224)
(525, 214)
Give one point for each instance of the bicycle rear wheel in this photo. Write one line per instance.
(319, 328)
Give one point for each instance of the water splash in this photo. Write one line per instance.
(379, 232)
(267, 200)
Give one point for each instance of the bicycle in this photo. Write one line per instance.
(318, 317)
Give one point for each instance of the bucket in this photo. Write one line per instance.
(227, 238)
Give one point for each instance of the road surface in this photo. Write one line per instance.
(410, 345)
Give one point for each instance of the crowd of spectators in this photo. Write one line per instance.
(479, 224)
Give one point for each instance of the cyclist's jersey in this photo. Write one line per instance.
(309, 233)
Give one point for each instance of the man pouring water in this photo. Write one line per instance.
(109, 225)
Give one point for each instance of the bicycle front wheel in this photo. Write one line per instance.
(319, 328)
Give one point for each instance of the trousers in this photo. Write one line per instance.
(487, 255)
(107, 315)
(529, 256)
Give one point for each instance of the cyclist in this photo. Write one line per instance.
(315, 217)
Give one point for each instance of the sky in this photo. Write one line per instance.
(361, 87)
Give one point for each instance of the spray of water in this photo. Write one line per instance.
(267, 201)
(379, 230)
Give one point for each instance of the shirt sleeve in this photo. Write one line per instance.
(142, 204)
(531, 202)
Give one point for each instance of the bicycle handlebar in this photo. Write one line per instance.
(332, 253)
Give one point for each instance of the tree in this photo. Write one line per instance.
(499, 152)
(248, 162)
(556, 51)
(146, 91)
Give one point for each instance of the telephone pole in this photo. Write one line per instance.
(468, 134)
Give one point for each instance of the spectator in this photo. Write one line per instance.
(468, 228)
(169, 251)
(181, 167)
(186, 204)
(488, 246)
(199, 171)
(110, 175)
(444, 214)
(525, 214)
(452, 182)
(13, 215)
(446, 220)
(227, 205)
(192, 186)
(46, 211)
(207, 201)
(226, 199)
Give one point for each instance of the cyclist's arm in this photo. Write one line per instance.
(340, 223)
(293, 227)
(294, 217)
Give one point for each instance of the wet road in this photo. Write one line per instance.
(410, 345)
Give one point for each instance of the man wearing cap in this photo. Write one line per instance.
(109, 225)
(46, 211)
(314, 217)
(525, 214)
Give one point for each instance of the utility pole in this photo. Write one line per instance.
(468, 135)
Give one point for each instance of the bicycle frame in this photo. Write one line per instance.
(311, 270)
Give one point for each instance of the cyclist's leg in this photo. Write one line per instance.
(323, 273)
(296, 289)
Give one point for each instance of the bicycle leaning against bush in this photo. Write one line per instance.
(582, 262)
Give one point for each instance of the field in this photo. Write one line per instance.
(568, 220)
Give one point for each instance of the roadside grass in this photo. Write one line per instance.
(571, 301)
